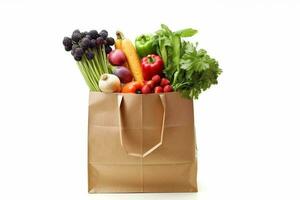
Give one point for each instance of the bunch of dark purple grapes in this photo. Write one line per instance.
(85, 43)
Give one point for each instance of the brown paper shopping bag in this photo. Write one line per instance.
(141, 143)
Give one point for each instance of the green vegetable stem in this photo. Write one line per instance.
(92, 69)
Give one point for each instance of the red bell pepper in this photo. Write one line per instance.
(152, 65)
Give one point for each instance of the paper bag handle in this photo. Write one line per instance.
(163, 102)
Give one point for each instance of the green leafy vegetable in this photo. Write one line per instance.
(188, 32)
(190, 71)
(199, 71)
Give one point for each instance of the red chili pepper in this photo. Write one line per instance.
(152, 65)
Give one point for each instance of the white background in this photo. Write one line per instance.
(247, 126)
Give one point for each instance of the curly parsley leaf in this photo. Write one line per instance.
(199, 71)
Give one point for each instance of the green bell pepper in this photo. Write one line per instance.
(144, 45)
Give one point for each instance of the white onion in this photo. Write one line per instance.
(109, 83)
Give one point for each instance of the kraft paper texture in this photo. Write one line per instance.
(141, 143)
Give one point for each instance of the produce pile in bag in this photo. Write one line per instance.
(156, 63)
(139, 143)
